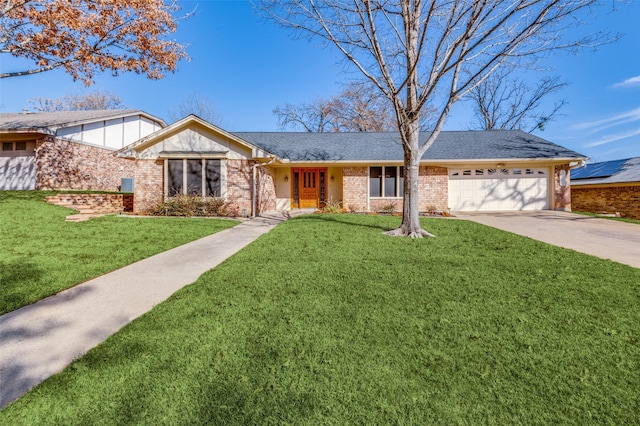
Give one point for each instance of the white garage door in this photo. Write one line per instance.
(18, 172)
(498, 189)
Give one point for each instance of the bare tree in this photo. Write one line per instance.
(506, 103)
(313, 117)
(78, 102)
(431, 53)
(357, 108)
(198, 105)
(86, 36)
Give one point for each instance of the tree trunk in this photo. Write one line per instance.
(410, 226)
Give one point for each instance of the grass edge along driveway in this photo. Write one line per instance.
(41, 254)
(326, 321)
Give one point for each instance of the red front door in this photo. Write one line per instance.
(309, 187)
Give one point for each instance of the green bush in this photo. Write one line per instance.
(333, 206)
(192, 205)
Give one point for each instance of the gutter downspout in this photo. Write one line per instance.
(254, 194)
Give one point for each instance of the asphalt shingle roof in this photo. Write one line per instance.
(615, 171)
(364, 146)
(51, 121)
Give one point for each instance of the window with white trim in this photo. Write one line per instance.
(386, 181)
(199, 177)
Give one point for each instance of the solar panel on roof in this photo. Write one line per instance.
(599, 170)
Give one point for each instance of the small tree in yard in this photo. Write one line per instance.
(84, 36)
(430, 54)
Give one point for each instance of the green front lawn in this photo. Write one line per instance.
(326, 321)
(41, 254)
(601, 216)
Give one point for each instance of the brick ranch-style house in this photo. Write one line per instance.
(611, 187)
(265, 171)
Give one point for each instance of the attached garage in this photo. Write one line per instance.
(17, 173)
(495, 189)
(17, 165)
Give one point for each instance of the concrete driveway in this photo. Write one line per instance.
(608, 239)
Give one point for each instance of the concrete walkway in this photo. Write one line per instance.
(40, 340)
(605, 238)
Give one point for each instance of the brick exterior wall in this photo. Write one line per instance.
(148, 184)
(562, 194)
(614, 199)
(433, 184)
(63, 164)
(267, 199)
(239, 184)
(354, 188)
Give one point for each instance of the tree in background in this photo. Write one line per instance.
(505, 103)
(431, 54)
(358, 108)
(96, 100)
(85, 36)
(198, 105)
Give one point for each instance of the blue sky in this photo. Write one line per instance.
(246, 67)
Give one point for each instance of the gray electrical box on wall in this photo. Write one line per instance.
(126, 185)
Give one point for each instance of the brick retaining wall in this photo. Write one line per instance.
(94, 203)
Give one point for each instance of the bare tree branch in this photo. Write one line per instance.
(200, 106)
(505, 103)
(85, 36)
(358, 108)
(97, 100)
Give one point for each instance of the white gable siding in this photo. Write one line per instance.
(196, 139)
(94, 133)
(114, 133)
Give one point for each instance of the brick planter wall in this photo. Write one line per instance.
(62, 164)
(93, 203)
(617, 199)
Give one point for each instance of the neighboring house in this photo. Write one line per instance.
(69, 149)
(608, 187)
(462, 171)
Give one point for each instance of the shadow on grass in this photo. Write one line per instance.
(382, 223)
(13, 276)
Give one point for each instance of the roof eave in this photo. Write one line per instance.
(29, 130)
(116, 114)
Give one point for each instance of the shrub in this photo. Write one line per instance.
(388, 208)
(192, 205)
(333, 206)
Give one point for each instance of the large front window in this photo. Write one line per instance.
(199, 177)
(387, 181)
